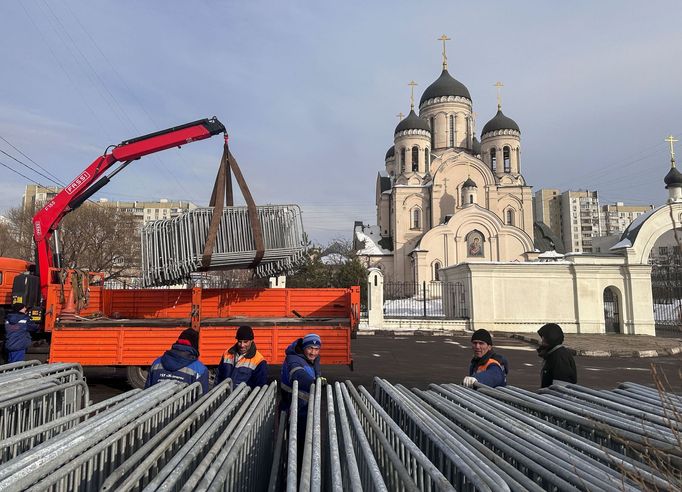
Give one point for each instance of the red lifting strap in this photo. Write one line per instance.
(222, 193)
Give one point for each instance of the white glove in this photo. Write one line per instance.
(469, 382)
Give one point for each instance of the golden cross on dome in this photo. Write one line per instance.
(400, 116)
(499, 86)
(671, 140)
(444, 38)
(412, 85)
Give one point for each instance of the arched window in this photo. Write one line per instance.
(493, 159)
(416, 218)
(415, 159)
(433, 132)
(510, 216)
(452, 131)
(518, 160)
(436, 271)
(506, 151)
(427, 159)
(401, 164)
(471, 198)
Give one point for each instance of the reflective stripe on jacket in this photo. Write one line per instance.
(251, 368)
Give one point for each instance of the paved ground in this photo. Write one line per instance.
(418, 360)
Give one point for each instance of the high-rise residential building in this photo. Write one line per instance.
(547, 209)
(35, 196)
(618, 216)
(580, 219)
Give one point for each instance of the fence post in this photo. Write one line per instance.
(424, 295)
(375, 298)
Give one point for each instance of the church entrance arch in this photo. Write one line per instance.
(611, 310)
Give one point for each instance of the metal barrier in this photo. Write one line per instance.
(169, 437)
(32, 395)
(172, 249)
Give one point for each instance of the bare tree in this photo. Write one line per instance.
(93, 237)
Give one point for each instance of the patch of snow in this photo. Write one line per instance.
(550, 256)
(370, 236)
(413, 307)
(640, 220)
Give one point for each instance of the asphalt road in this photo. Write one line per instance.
(417, 361)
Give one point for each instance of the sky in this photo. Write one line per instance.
(309, 92)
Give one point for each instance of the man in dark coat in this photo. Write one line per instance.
(302, 364)
(242, 362)
(559, 363)
(487, 367)
(18, 325)
(180, 363)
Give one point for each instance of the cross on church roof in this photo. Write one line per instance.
(499, 86)
(400, 116)
(412, 85)
(444, 38)
(671, 140)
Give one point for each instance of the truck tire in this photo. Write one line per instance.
(136, 376)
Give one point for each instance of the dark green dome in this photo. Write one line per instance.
(390, 153)
(445, 85)
(412, 122)
(673, 179)
(500, 122)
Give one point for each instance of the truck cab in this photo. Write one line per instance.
(10, 268)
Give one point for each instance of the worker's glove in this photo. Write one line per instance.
(323, 381)
(469, 382)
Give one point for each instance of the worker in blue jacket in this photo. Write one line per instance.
(180, 363)
(18, 328)
(242, 362)
(487, 367)
(302, 364)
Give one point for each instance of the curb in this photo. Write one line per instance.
(610, 353)
(406, 333)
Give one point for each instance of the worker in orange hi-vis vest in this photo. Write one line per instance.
(487, 367)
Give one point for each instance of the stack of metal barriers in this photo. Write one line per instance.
(173, 248)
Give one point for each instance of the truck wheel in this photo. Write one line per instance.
(136, 376)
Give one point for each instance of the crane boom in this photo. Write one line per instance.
(47, 220)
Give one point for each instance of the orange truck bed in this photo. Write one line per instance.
(131, 327)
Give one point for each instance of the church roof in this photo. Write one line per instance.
(673, 178)
(412, 122)
(445, 85)
(390, 152)
(384, 183)
(546, 239)
(500, 122)
(469, 183)
(629, 235)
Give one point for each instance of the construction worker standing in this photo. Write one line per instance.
(242, 362)
(18, 325)
(180, 363)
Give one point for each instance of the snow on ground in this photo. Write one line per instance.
(668, 312)
(413, 307)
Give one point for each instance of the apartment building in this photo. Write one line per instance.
(616, 217)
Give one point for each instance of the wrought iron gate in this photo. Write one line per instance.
(666, 289)
(425, 300)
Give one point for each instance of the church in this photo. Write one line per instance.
(445, 197)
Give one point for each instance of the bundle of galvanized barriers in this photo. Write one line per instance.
(169, 437)
(173, 248)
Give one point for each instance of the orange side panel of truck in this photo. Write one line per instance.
(135, 326)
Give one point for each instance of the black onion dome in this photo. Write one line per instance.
(412, 122)
(476, 146)
(469, 183)
(445, 85)
(500, 122)
(673, 178)
(390, 153)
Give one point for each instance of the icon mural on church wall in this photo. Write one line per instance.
(475, 244)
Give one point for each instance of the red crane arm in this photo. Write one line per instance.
(46, 221)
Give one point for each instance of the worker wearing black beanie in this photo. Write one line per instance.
(487, 367)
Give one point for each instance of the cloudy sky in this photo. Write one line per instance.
(309, 92)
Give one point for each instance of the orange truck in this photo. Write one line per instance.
(131, 327)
